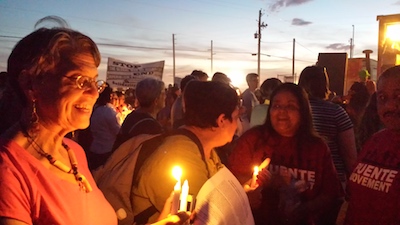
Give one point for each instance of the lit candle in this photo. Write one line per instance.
(177, 173)
(184, 196)
(254, 178)
(264, 164)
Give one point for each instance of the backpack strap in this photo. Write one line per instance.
(143, 217)
(147, 149)
(150, 146)
(195, 139)
(139, 122)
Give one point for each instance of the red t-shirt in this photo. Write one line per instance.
(305, 166)
(32, 194)
(374, 185)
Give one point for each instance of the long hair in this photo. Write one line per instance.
(306, 129)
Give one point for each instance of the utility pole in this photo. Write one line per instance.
(352, 44)
(173, 59)
(351, 48)
(294, 45)
(258, 36)
(212, 53)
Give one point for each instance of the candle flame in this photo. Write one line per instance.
(256, 169)
(177, 173)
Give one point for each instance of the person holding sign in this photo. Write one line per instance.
(300, 182)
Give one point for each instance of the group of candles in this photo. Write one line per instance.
(181, 193)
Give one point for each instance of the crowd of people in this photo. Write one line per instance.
(330, 160)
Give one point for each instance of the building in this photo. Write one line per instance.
(388, 42)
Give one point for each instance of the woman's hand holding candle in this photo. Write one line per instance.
(165, 218)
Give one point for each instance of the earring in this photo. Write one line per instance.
(34, 120)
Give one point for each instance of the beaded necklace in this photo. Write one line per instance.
(83, 182)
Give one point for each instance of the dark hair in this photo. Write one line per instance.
(268, 86)
(315, 82)
(186, 80)
(359, 97)
(370, 122)
(306, 129)
(390, 72)
(199, 74)
(221, 77)
(119, 93)
(3, 78)
(205, 101)
(105, 96)
(147, 90)
(45, 52)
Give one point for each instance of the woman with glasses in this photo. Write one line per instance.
(300, 181)
(44, 177)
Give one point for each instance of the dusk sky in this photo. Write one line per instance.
(140, 31)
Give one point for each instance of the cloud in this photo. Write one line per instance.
(338, 46)
(300, 22)
(286, 3)
(396, 3)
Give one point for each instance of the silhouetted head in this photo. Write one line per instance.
(205, 101)
(221, 77)
(253, 81)
(315, 81)
(149, 91)
(200, 75)
(268, 86)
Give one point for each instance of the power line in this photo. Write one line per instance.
(276, 42)
(6, 36)
(304, 47)
(169, 49)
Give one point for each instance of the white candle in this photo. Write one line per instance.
(184, 196)
(177, 173)
(253, 182)
(264, 164)
(175, 198)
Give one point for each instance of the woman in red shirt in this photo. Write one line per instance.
(303, 183)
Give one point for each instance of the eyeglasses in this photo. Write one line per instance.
(84, 82)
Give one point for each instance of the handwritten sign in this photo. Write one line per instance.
(125, 75)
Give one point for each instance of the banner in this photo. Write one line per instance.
(126, 75)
